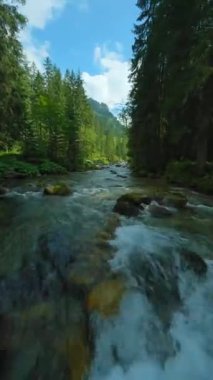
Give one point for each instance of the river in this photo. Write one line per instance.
(86, 294)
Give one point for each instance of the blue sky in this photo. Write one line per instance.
(93, 36)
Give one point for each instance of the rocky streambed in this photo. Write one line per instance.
(110, 277)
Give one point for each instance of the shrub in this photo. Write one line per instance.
(181, 172)
(49, 167)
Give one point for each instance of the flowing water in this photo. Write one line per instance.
(73, 306)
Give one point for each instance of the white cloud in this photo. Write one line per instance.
(34, 51)
(111, 86)
(39, 12)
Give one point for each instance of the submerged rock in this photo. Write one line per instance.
(159, 211)
(157, 276)
(78, 352)
(105, 298)
(194, 262)
(61, 189)
(176, 200)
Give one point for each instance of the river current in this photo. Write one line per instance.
(85, 294)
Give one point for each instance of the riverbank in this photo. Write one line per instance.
(184, 174)
(14, 166)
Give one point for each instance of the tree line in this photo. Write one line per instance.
(47, 113)
(170, 103)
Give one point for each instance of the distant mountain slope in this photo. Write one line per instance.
(104, 115)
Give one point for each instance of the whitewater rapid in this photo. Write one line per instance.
(134, 345)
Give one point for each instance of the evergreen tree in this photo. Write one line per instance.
(172, 82)
(12, 90)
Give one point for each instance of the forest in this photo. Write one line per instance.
(170, 105)
(46, 118)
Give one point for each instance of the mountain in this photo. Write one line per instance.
(105, 117)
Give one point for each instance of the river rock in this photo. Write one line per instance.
(61, 189)
(176, 200)
(129, 204)
(159, 211)
(105, 298)
(127, 209)
(194, 262)
(134, 198)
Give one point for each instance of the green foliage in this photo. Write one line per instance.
(64, 128)
(172, 77)
(205, 184)
(186, 173)
(12, 86)
(48, 167)
(11, 165)
(181, 172)
(48, 114)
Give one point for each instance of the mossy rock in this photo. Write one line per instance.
(129, 204)
(176, 200)
(105, 298)
(135, 198)
(126, 209)
(61, 189)
(194, 262)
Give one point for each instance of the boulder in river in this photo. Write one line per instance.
(159, 211)
(194, 262)
(61, 189)
(127, 209)
(176, 200)
(129, 204)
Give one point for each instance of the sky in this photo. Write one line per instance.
(92, 36)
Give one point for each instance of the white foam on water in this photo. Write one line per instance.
(140, 238)
(133, 345)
